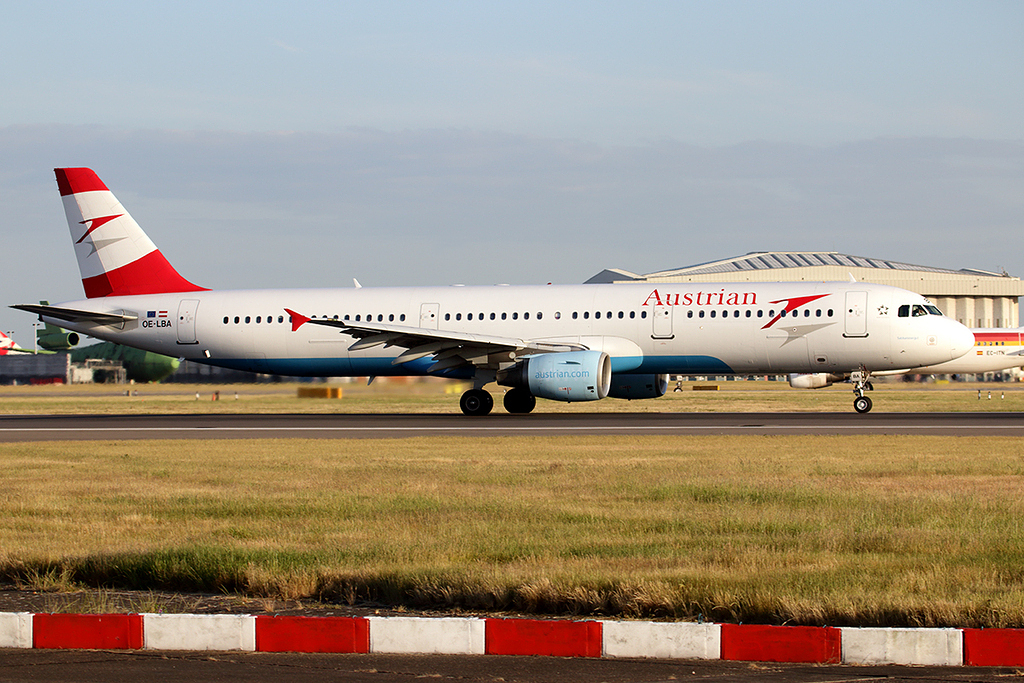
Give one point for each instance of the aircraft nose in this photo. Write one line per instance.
(962, 340)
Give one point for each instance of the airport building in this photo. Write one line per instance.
(976, 298)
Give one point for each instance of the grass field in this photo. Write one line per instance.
(871, 530)
(433, 396)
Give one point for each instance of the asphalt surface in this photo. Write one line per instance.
(69, 666)
(82, 427)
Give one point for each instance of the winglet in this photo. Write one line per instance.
(298, 320)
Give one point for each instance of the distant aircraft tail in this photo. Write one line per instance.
(7, 345)
(115, 256)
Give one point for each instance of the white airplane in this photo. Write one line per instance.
(995, 349)
(560, 342)
(9, 346)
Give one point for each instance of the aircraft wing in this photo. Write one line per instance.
(449, 349)
(72, 315)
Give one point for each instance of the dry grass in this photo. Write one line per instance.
(429, 395)
(812, 530)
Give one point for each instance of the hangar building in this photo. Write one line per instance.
(976, 298)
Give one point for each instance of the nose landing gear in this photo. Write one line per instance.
(861, 403)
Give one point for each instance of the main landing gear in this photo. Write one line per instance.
(519, 401)
(476, 402)
(861, 403)
(479, 402)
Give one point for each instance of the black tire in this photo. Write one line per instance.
(476, 402)
(862, 404)
(519, 401)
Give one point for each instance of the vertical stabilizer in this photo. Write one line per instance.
(6, 344)
(114, 255)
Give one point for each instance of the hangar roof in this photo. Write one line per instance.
(773, 266)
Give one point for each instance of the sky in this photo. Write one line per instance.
(406, 143)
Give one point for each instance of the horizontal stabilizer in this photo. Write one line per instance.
(75, 316)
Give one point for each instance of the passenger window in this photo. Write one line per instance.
(391, 318)
(621, 315)
(807, 313)
(632, 315)
(760, 314)
(504, 316)
(458, 316)
(526, 315)
(748, 312)
(701, 314)
(540, 315)
(225, 320)
(597, 315)
(586, 315)
(574, 315)
(402, 317)
(236, 319)
(380, 317)
(247, 320)
(643, 314)
(280, 318)
(830, 312)
(492, 316)
(712, 313)
(515, 315)
(689, 314)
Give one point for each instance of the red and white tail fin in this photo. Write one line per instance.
(7, 345)
(114, 255)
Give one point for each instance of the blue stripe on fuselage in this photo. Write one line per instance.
(362, 367)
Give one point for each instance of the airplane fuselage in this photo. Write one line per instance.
(644, 328)
(995, 349)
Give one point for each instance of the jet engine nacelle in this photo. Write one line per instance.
(58, 342)
(570, 376)
(638, 386)
(817, 380)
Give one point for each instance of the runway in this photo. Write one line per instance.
(14, 428)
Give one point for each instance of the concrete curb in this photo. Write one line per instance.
(558, 638)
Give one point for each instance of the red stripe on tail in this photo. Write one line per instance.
(151, 274)
(74, 180)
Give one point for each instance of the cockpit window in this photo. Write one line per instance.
(917, 310)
